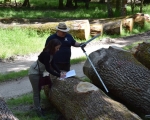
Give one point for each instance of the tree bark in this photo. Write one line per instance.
(78, 100)
(142, 54)
(5, 113)
(125, 77)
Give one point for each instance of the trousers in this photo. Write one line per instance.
(34, 79)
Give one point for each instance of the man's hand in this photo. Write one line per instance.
(62, 74)
(82, 44)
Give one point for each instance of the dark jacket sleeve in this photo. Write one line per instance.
(48, 67)
(54, 66)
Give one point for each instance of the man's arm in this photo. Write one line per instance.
(77, 44)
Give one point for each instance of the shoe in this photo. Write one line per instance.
(40, 112)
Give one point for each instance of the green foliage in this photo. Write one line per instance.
(20, 42)
(13, 75)
(22, 108)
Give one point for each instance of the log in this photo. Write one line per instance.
(139, 19)
(142, 54)
(78, 100)
(110, 26)
(96, 29)
(5, 112)
(125, 77)
(78, 28)
(127, 24)
(113, 27)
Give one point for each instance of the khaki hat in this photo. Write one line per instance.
(62, 27)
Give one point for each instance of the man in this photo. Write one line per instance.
(62, 57)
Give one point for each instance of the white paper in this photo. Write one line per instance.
(70, 73)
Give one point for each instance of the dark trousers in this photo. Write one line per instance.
(63, 66)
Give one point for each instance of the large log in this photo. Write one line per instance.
(125, 77)
(78, 100)
(78, 28)
(109, 26)
(142, 54)
(5, 112)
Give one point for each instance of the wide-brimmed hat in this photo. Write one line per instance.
(62, 27)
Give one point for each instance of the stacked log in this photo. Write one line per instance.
(78, 28)
(127, 24)
(78, 100)
(125, 77)
(5, 113)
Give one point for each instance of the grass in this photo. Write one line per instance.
(22, 108)
(24, 41)
(15, 75)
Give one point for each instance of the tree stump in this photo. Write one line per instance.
(5, 113)
(125, 77)
(78, 100)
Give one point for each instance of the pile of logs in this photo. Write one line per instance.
(124, 76)
(83, 29)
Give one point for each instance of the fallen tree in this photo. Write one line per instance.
(5, 112)
(79, 100)
(125, 77)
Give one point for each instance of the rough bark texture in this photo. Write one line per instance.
(124, 76)
(142, 54)
(5, 113)
(78, 100)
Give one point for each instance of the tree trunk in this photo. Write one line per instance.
(60, 6)
(26, 3)
(5, 113)
(118, 5)
(125, 77)
(142, 54)
(78, 100)
(69, 4)
(109, 9)
(123, 8)
(141, 6)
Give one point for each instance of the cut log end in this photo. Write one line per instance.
(84, 87)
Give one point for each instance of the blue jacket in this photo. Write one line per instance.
(64, 53)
